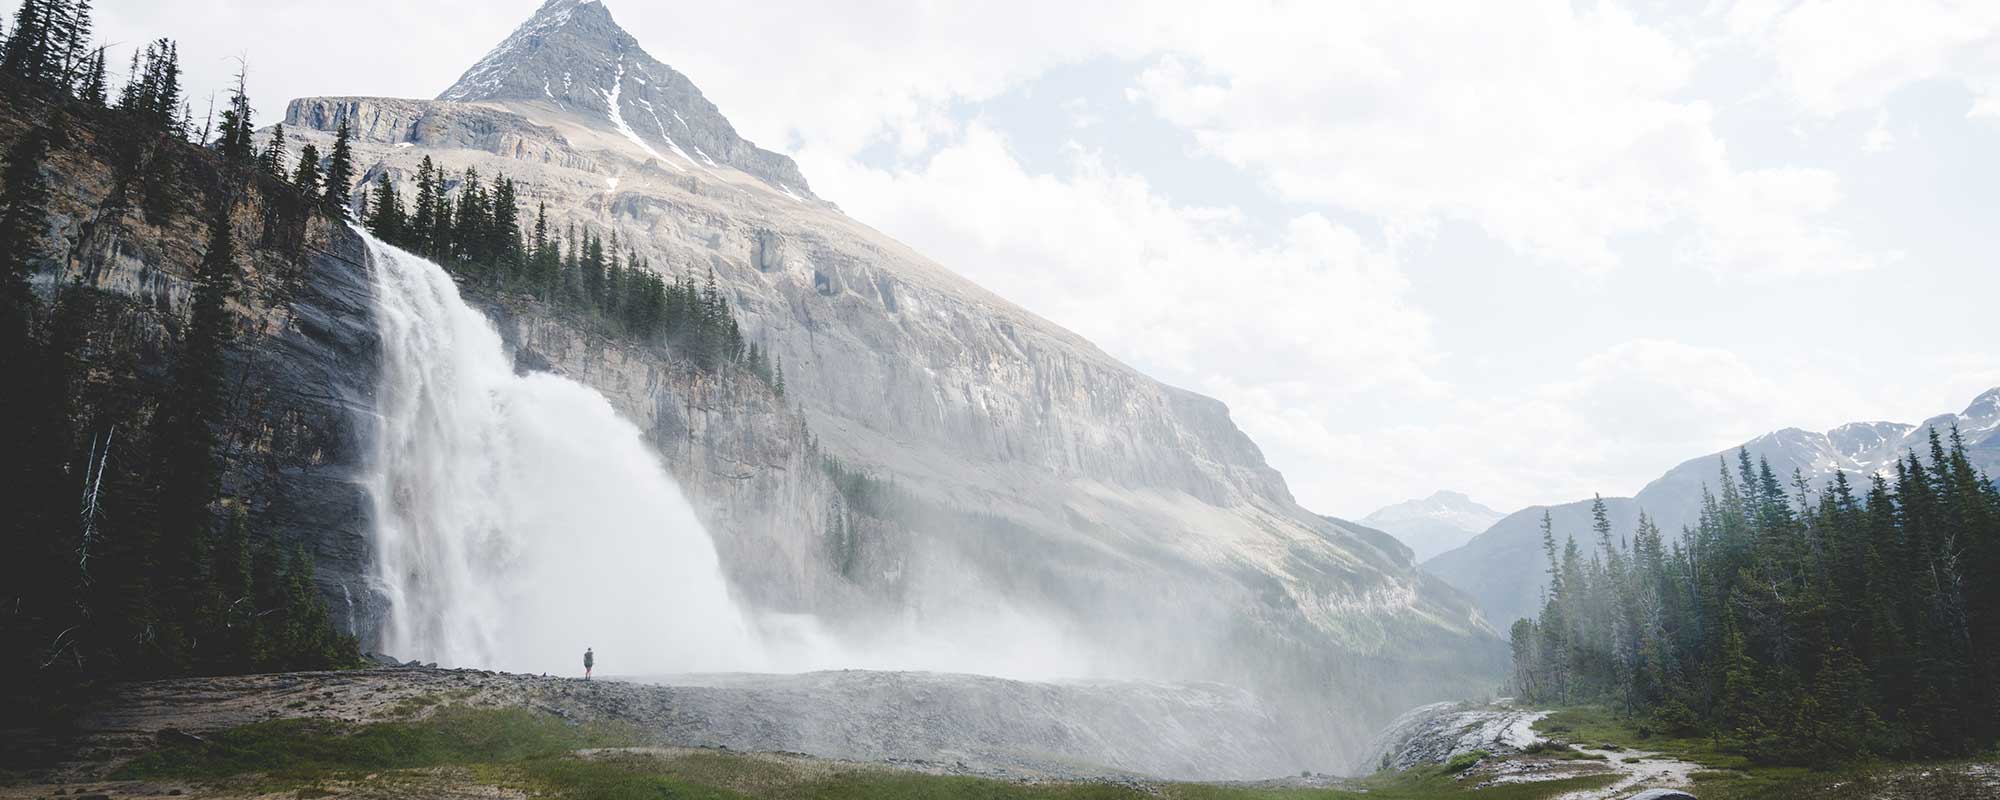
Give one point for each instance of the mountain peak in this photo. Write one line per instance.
(556, 36)
(1451, 498)
(1437, 523)
(1984, 407)
(1441, 502)
(571, 58)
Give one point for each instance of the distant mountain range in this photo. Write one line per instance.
(1435, 524)
(1502, 568)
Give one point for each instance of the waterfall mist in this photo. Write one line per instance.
(519, 518)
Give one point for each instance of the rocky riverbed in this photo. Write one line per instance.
(1502, 739)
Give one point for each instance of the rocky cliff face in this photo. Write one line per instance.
(301, 364)
(1504, 570)
(1048, 498)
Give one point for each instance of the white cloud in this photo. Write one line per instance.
(1311, 340)
(842, 76)
(1080, 113)
(1878, 139)
(1611, 422)
(1835, 56)
(1556, 132)
(1765, 224)
(1178, 289)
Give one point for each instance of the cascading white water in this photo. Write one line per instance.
(519, 519)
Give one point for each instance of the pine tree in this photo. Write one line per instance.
(443, 235)
(236, 143)
(185, 443)
(306, 631)
(73, 42)
(306, 179)
(19, 56)
(33, 50)
(572, 279)
(340, 171)
(614, 279)
(152, 92)
(471, 224)
(92, 88)
(423, 215)
(387, 220)
(593, 269)
(24, 219)
(504, 233)
(272, 161)
(542, 274)
(49, 550)
(31, 408)
(232, 636)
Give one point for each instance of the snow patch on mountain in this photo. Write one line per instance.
(624, 129)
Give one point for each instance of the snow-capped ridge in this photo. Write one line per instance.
(572, 63)
(1500, 567)
(1984, 408)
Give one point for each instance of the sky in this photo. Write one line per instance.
(1528, 251)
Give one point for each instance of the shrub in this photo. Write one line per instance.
(1464, 761)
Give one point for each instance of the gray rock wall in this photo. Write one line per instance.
(300, 369)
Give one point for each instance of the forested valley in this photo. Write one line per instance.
(1796, 625)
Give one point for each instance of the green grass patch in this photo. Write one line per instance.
(1731, 776)
(725, 776)
(1418, 784)
(599, 780)
(537, 753)
(1596, 724)
(413, 705)
(1464, 761)
(1930, 781)
(293, 751)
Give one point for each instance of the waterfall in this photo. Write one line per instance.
(519, 519)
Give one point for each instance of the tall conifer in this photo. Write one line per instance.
(340, 170)
(306, 179)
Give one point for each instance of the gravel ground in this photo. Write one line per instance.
(929, 722)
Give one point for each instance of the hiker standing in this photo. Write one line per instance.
(589, 660)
